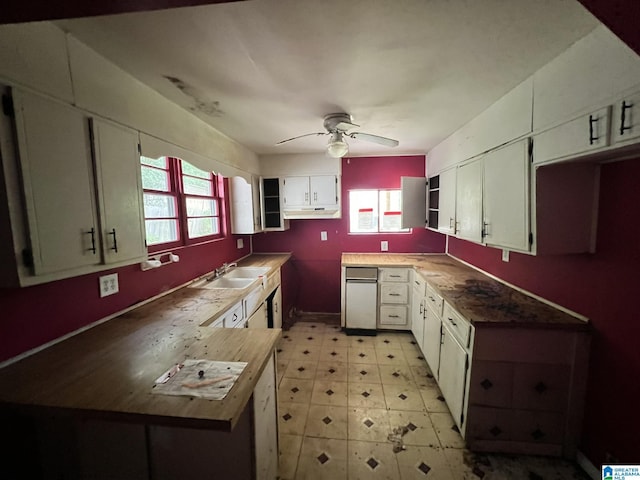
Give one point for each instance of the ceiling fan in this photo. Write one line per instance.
(337, 125)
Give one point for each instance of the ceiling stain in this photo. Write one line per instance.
(202, 105)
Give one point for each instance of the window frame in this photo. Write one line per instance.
(378, 230)
(177, 192)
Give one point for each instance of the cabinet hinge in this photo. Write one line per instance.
(531, 149)
(139, 149)
(530, 238)
(462, 419)
(7, 106)
(466, 363)
(27, 257)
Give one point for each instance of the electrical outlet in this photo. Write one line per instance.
(323, 236)
(505, 255)
(240, 243)
(384, 246)
(109, 285)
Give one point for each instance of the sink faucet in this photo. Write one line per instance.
(229, 266)
(223, 269)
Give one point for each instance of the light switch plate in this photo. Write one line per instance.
(240, 243)
(505, 255)
(384, 246)
(323, 236)
(109, 285)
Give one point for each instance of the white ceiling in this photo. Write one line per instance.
(266, 70)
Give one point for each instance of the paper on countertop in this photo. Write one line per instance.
(217, 380)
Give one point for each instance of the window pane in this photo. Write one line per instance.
(161, 231)
(155, 179)
(159, 206)
(188, 169)
(200, 227)
(363, 211)
(391, 211)
(155, 162)
(197, 186)
(201, 207)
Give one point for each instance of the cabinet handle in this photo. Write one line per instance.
(452, 322)
(306, 196)
(441, 337)
(450, 223)
(417, 282)
(485, 229)
(235, 317)
(115, 240)
(421, 308)
(623, 115)
(592, 120)
(394, 294)
(432, 299)
(394, 276)
(394, 316)
(456, 227)
(315, 196)
(92, 232)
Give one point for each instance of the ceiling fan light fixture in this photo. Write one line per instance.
(337, 147)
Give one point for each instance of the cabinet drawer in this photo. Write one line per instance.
(434, 300)
(394, 293)
(394, 275)
(393, 315)
(233, 316)
(457, 324)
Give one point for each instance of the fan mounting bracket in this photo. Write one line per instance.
(338, 122)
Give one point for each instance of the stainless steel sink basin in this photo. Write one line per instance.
(246, 272)
(225, 282)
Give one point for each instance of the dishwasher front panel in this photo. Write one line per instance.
(361, 305)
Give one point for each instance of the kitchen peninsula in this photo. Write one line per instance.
(85, 406)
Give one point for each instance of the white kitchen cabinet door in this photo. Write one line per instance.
(295, 192)
(277, 308)
(119, 191)
(625, 122)
(506, 197)
(245, 206)
(452, 377)
(447, 201)
(432, 338)
(57, 173)
(469, 201)
(259, 318)
(265, 417)
(585, 134)
(323, 190)
(414, 201)
(255, 198)
(417, 310)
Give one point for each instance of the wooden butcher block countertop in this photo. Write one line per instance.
(485, 302)
(109, 370)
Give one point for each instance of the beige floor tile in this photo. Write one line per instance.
(390, 356)
(364, 373)
(284, 352)
(327, 422)
(292, 417)
(389, 340)
(463, 464)
(447, 431)
(332, 371)
(335, 339)
(419, 429)
(295, 390)
(322, 458)
(423, 376)
(433, 400)
(403, 397)
(308, 327)
(360, 354)
(361, 341)
(424, 463)
(415, 358)
(289, 453)
(396, 375)
(368, 424)
(301, 369)
(366, 395)
(309, 353)
(372, 460)
(329, 393)
(330, 353)
(410, 346)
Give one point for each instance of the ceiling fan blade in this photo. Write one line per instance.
(367, 137)
(301, 136)
(344, 126)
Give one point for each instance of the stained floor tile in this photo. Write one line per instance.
(417, 428)
(289, 453)
(447, 431)
(366, 395)
(372, 460)
(396, 375)
(329, 393)
(295, 390)
(368, 424)
(424, 463)
(332, 371)
(403, 397)
(358, 354)
(322, 458)
(326, 422)
(364, 373)
(292, 417)
(390, 356)
(301, 369)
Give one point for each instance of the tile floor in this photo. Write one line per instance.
(344, 400)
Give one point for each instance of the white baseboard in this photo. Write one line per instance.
(587, 466)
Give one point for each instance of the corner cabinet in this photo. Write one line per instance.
(316, 196)
(75, 212)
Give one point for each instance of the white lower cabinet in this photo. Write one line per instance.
(432, 330)
(453, 374)
(258, 319)
(417, 309)
(394, 298)
(265, 422)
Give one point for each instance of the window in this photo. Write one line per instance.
(181, 204)
(375, 211)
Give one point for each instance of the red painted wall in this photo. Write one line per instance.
(317, 263)
(36, 315)
(604, 287)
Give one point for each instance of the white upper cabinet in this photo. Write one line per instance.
(506, 197)
(469, 201)
(447, 201)
(244, 201)
(55, 160)
(414, 203)
(119, 191)
(311, 196)
(625, 122)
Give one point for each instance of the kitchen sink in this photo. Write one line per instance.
(225, 282)
(246, 272)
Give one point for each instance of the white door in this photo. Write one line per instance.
(55, 157)
(324, 190)
(452, 378)
(417, 317)
(120, 191)
(295, 192)
(447, 201)
(506, 197)
(469, 201)
(432, 339)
